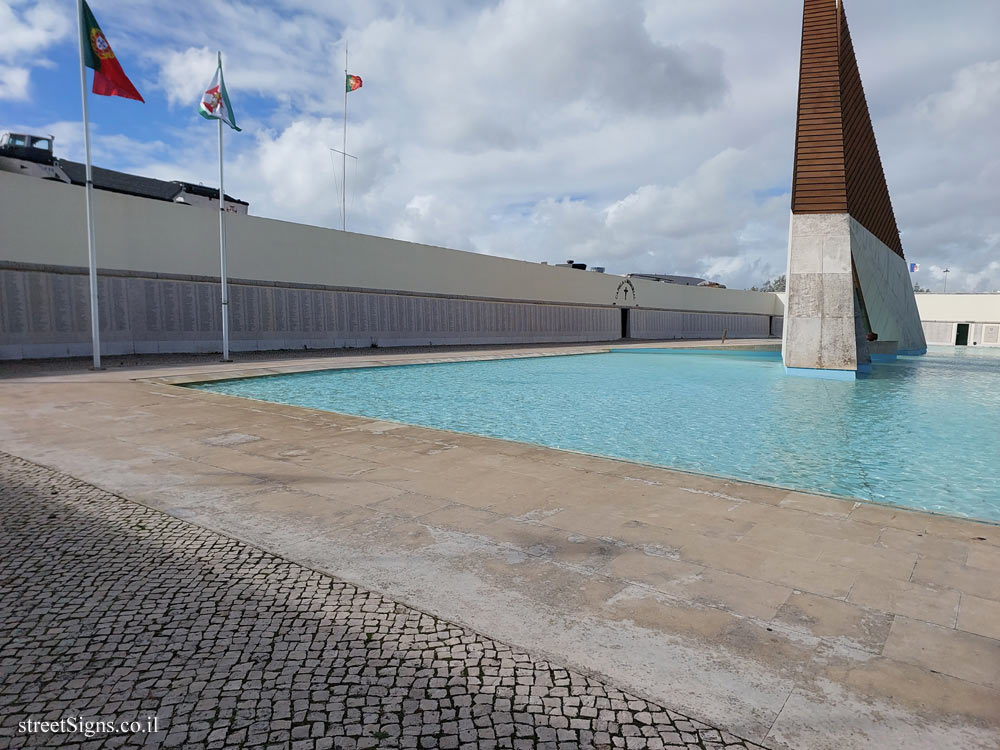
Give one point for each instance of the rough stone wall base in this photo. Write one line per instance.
(828, 315)
(823, 317)
(46, 313)
(673, 324)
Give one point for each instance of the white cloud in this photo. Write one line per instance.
(972, 99)
(962, 277)
(13, 82)
(27, 29)
(185, 74)
(943, 171)
(707, 223)
(432, 215)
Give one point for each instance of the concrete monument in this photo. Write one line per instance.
(847, 277)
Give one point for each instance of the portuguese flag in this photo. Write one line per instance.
(353, 83)
(109, 78)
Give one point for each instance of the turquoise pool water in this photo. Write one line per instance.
(921, 432)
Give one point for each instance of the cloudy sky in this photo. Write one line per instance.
(641, 135)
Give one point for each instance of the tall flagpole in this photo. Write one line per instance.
(222, 245)
(95, 321)
(343, 193)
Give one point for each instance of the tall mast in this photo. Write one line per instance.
(343, 192)
(222, 241)
(95, 320)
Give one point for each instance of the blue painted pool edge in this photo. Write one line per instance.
(765, 353)
(810, 372)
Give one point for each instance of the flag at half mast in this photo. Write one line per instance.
(353, 82)
(215, 101)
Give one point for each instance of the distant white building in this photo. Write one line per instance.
(33, 156)
(960, 319)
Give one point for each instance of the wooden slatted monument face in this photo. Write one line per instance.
(837, 164)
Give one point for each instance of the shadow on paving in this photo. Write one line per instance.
(111, 611)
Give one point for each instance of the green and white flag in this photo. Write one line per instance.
(215, 101)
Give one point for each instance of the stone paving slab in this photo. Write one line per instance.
(770, 613)
(113, 611)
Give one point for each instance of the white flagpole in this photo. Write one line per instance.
(95, 321)
(222, 245)
(343, 194)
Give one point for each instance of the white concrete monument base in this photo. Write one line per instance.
(887, 291)
(828, 315)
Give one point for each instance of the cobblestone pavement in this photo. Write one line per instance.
(113, 611)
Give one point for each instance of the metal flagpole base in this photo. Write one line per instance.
(225, 360)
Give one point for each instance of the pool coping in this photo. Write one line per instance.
(245, 373)
(190, 380)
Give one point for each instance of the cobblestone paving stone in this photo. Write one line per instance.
(111, 610)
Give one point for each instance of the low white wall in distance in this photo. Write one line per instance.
(946, 333)
(941, 314)
(959, 308)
